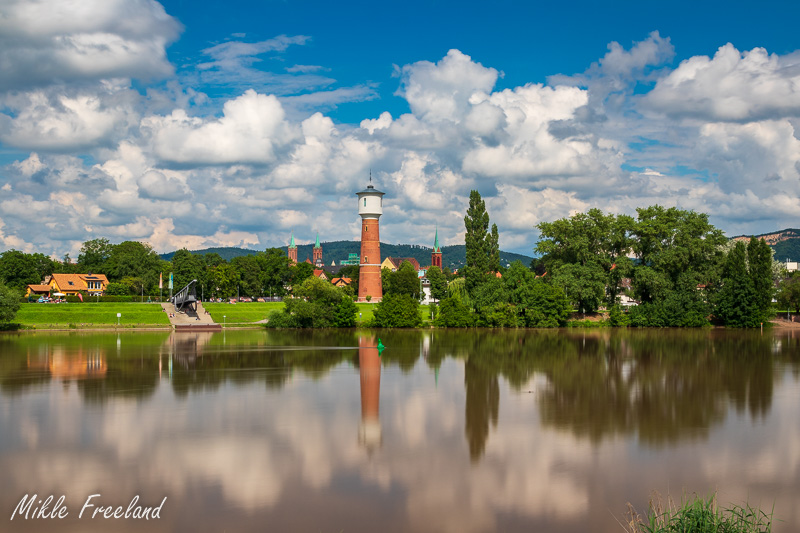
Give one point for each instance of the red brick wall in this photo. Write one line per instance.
(369, 274)
(436, 259)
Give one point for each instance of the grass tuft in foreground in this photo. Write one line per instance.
(698, 515)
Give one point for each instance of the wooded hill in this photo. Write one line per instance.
(786, 243)
(452, 256)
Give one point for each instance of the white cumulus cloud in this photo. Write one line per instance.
(253, 127)
(732, 86)
(43, 41)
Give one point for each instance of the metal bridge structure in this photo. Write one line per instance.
(186, 298)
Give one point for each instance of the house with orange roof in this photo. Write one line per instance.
(319, 273)
(72, 284)
(341, 282)
(37, 290)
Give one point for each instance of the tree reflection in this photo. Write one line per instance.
(481, 407)
(661, 386)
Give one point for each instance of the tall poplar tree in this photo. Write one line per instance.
(477, 241)
(736, 300)
(494, 250)
(759, 258)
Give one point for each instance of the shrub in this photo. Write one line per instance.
(397, 311)
(453, 314)
(617, 318)
(317, 304)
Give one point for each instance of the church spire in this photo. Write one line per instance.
(292, 250)
(436, 254)
(317, 251)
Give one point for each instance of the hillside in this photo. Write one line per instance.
(452, 256)
(227, 253)
(786, 243)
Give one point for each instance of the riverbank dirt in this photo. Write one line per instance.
(786, 324)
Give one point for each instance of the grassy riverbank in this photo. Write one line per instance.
(699, 515)
(90, 315)
(242, 313)
(104, 314)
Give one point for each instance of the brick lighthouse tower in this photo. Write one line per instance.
(370, 207)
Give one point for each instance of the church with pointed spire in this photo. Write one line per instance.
(292, 250)
(317, 251)
(436, 254)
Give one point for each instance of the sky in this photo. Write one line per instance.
(203, 124)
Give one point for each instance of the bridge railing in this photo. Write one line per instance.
(185, 296)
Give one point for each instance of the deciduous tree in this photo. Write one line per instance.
(186, 267)
(9, 303)
(438, 283)
(275, 272)
(404, 281)
(397, 311)
(18, 269)
(93, 256)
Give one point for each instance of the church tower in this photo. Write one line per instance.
(293, 250)
(370, 207)
(436, 254)
(317, 260)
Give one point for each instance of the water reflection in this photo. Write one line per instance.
(369, 362)
(475, 431)
(481, 407)
(64, 365)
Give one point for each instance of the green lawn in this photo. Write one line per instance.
(249, 313)
(366, 313)
(242, 312)
(140, 314)
(90, 314)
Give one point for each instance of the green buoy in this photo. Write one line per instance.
(381, 347)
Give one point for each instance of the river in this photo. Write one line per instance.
(440, 431)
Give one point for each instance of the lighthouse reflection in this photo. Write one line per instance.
(369, 362)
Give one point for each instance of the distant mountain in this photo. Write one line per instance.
(452, 256)
(786, 243)
(227, 253)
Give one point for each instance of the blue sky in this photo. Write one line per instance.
(204, 124)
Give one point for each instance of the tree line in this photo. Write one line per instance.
(134, 268)
(677, 267)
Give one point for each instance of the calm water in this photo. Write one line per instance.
(443, 431)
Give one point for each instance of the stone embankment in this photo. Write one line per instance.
(189, 319)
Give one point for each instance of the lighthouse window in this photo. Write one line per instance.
(365, 259)
(365, 202)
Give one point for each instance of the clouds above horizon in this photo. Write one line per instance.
(112, 142)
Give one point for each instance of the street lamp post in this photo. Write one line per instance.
(224, 320)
